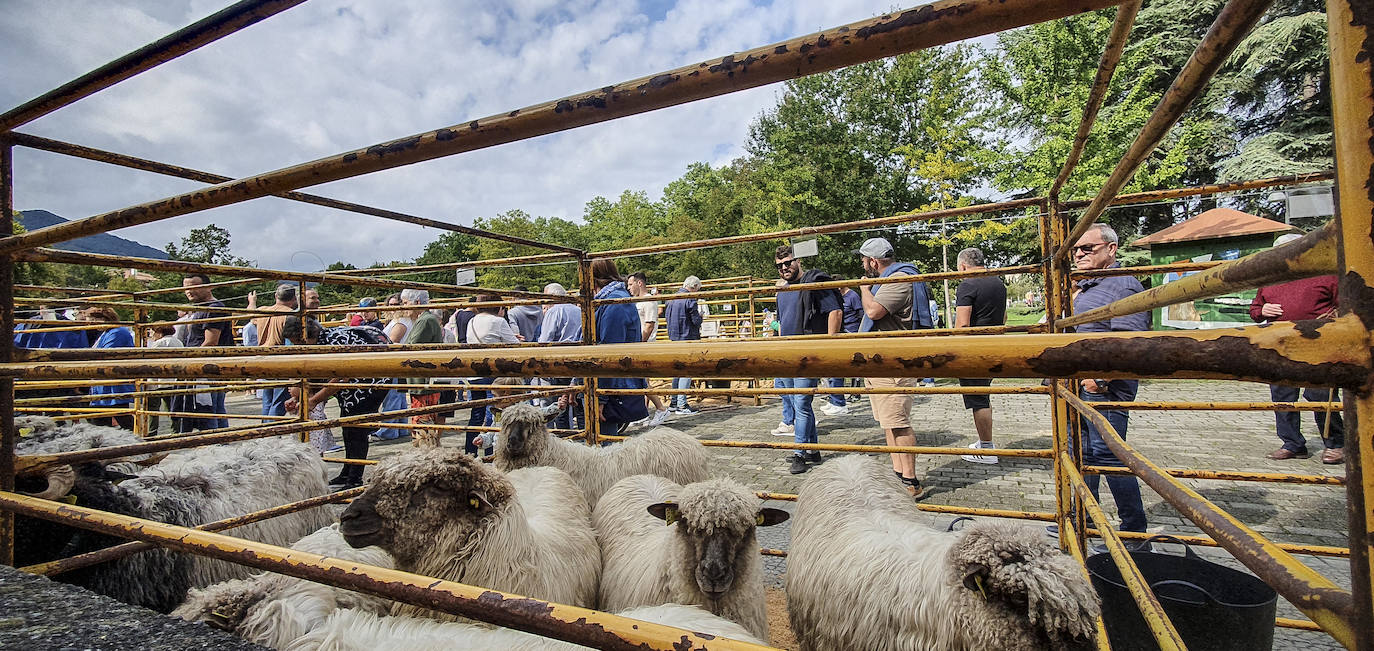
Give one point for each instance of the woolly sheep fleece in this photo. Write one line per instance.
(275, 609)
(647, 562)
(530, 534)
(862, 573)
(351, 630)
(664, 452)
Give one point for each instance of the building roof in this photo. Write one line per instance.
(1214, 224)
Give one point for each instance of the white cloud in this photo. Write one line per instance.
(334, 75)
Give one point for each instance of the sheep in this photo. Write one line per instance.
(707, 555)
(274, 609)
(352, 630)
(443, 514)
(863, 573)
(525, 441)
(187, 488)
(42, 435)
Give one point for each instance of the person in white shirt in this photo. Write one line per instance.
(488, 326)
(161, 336)
(638, 285)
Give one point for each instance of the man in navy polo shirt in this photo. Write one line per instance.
(804, 312)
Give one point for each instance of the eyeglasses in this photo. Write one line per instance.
(785, 264)
(1085, 249)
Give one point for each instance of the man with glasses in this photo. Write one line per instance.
(804, 312)
(1097, 250)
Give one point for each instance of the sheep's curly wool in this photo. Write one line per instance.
(274, 609)
(646, 562)
(448, 516)
(664, 452)
(351, 630)
(863, 573)
(42, 435)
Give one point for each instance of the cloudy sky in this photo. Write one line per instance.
(333, 75)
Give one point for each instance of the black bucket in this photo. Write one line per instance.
(1213, 607)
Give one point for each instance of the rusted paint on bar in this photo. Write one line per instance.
(1228, 475)
(1313, 255)
(876, 449)
(568, 623)
(1306, 550)
(1144, 270)
(938, 23)
(1212, 188)
(1218, 406)
(1231, 26)
(202, 32)
(131, 305)
(769, 391)
(88, 153)
(1321, 353)
(1111, 55)
(107, 354)
(1350, 27)
(8, 434)
(72, 563)
(1315, 595)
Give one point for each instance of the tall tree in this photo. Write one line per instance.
(209, 244)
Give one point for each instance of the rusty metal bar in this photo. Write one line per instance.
(76, 400)
(926, 26)
(30, 463)
(106, 354)
(1213, 188)
(1350, 27)
(770, 391)
(73, 563)
(444, 266)
(113, 158)
(1295, 353)
(202, 32)
(1300, 624)
(1229, 475)
(8, 434)
(1144, 270)
(1313, 594)
(1218, 406)
(1234, 22)
(1292, 548)
(77, 302)
(568, 623)
(1106, 67)
(1313, 255)
(874, 449)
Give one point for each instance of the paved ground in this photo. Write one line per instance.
(1201, 439)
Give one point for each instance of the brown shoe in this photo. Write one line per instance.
(917, 492)
(1333, 455)
(1282, 454)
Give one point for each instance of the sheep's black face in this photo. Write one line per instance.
(717, 554)
(523, 431)
(716, 522)
(424, 502)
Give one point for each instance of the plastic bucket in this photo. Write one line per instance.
(1213, 607)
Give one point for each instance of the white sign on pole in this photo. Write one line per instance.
(466, 277)
(805, 249)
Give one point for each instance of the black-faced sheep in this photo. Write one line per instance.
(187, 488)
(706, 555)
(351, 630)
(525, 441)
(443, 514)
(275, 609)
(864, 573)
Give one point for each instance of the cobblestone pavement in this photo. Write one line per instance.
(1216, 440)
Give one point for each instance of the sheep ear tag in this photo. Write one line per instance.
(973, 579)
(478, 501)
(665, 511)
(24, 432)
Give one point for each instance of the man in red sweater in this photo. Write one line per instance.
(1309, 298)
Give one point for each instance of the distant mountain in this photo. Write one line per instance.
(102, 243)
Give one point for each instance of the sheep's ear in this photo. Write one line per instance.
(665, 511)
(974, 576)
(768, 517)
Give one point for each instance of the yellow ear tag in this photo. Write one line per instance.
(978, 581)
(474, 503)
(758, 519)
(670, 515)
(70, 499)
(25, 431)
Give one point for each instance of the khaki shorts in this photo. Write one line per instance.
(890, 410)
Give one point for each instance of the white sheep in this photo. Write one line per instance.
(187, 488)
(525, 441)
(443, 514)
(694, 544)
(275, 609)
(864, 573)
(352, 630)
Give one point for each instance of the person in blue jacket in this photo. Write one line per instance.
(121, 337)
(616, 323)
(684, 324)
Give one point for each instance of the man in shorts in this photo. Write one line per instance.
(979, 301)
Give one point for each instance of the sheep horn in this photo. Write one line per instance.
(973, 578)
(60, 482)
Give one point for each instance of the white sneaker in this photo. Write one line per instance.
(979, 458)
(659, 416)
(831, 409)
(783, 429)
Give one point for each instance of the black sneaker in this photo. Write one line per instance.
(814, 456)
(339, 481)
(335, 488)
(798, 465)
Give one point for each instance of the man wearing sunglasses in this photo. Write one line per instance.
(804, 312)
(1097, 250)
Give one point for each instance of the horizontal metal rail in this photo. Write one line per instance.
(1227, 475)
(1204, 541)
(568, 623)
(107, 354)
(1218, 406)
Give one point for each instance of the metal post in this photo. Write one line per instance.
(590, 412)
(140, 402)
(1351, 28)
(8, 435)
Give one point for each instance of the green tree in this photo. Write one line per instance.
(544, 229)
(209, 244)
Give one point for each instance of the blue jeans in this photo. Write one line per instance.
(395, 400)
(1125, 488)
(680, 400)
(1289, 423)
(836, 399)
(805, 418)
(274, 401)
(788, 416)
(479, 416)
